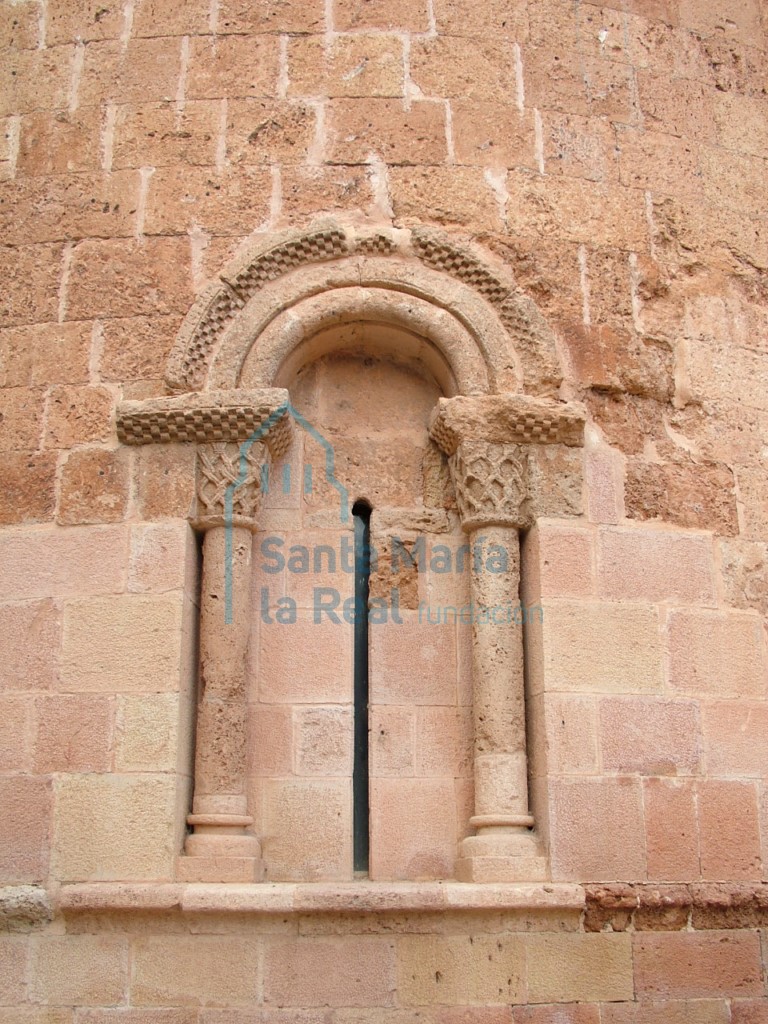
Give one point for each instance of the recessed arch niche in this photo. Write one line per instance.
(369, 329)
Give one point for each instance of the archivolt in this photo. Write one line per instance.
(470, 323)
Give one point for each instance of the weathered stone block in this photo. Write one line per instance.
(364, 65)
(721, 654)
(144, 71)
(31, 276)
(165, 480)
(198, 970)
(89, 970)
(582, 813)
(324, 741)
(157, 135)
(59, 143)
(655, 566)
(25, 804)
(94, 487)
(697, 965)
(587, 968)
(74, 734)
(219, 202)
(232, 66)
(293, 16)
(114, 827)
(127, 278)
(608, 647)
(21, 412)
(462, 969)
(729, 830)
(27, 487)
(130, 643)
(345, 971)
(413, 829)
(444, 195)
(307, 829)
(62, 562)
(357, 128)
(261, 131)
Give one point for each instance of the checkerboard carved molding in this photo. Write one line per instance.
(216, 416)
(506, 418)
(279, 272)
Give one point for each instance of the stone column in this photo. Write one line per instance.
(488, 442)
(237, 434)
(229, 496)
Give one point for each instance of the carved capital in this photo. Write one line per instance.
(494, 445)
(228, 483)
(238, 433)
(491, 484)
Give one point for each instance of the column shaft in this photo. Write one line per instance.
(501, 783)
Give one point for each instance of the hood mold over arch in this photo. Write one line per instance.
(472, 325)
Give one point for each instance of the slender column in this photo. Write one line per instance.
(501, 772)
(488, 442)
(228, 502)
(490, 480)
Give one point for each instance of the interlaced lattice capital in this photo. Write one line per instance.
(225, 467)
(491, 483)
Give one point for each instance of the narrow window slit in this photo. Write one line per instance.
(361, 513)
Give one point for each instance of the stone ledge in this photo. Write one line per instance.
(623, 907)
(318, 898)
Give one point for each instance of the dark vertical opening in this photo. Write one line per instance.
(361, 514)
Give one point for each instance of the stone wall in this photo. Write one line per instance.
(611, 161)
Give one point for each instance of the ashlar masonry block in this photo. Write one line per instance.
(601, 647)
(413, 828)
(720, 654)
(697, 965)
(351, 971)
(196, 970)
(87, 970)
(124, 644)
(115, 827)
(461, 970)
(672, 833)
(587, 968)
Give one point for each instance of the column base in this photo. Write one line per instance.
(501, 857)
(219, 851)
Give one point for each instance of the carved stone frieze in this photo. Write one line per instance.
(491, 484)
(436, 251)
(316, 246)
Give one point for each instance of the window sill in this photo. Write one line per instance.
(319, 897)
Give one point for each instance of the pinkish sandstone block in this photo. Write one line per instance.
(672, 835)
(343, 971)
(582, 813)
(655, 565)
(413, 829)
